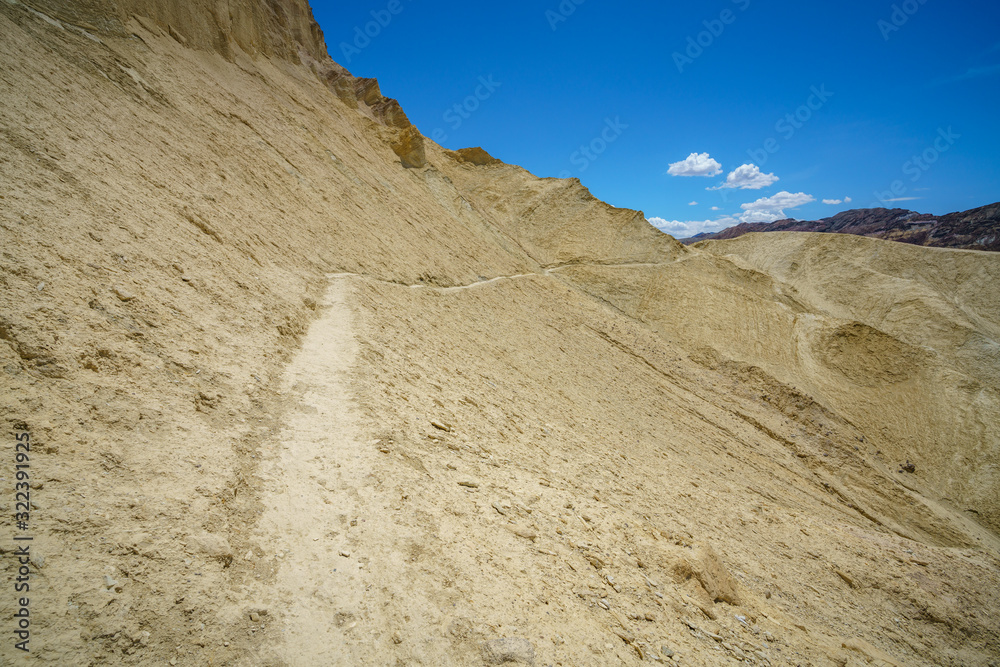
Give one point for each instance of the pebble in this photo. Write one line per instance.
(254, 617)
(471, 484)
(508, 649)
(523, 532)
(665, 650)
(345, 554)
(122, 293)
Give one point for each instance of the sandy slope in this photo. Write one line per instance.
(230, 319)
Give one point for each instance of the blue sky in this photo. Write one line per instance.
(707, 113)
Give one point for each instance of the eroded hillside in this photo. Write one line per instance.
(304, 388)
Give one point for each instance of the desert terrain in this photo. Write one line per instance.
(303, 387)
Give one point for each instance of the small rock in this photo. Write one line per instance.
(345, 553)
(397, 638)
(468, 483)
(441, 426)
(508, 649)
(109, 582)
(122, 293)
(523, 532)
(846, 577)
(254, 617)
(212, 545)
(665, 650)
(907, 467)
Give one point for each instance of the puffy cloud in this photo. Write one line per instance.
(683, 230)
(769, 209)
(837, 202)
(747, 177)
(693, 203)
(696, 164)
(716, 208)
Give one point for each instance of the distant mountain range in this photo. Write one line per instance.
(978, 229)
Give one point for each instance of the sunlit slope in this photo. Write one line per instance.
(899, 340)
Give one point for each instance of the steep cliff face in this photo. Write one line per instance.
(265, 27)
(303, 387)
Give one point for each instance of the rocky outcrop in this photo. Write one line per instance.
(409, 146)
(476, 156)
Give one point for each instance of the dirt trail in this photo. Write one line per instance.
(313, 472)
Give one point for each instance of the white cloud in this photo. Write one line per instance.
(696, 164)
(847, 200)
(747, 177)
(693, 203)
(716, 208)
(683, 230)
(769, 209)
(903, 199)
(837, 202)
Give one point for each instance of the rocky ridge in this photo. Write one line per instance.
(976, 229)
